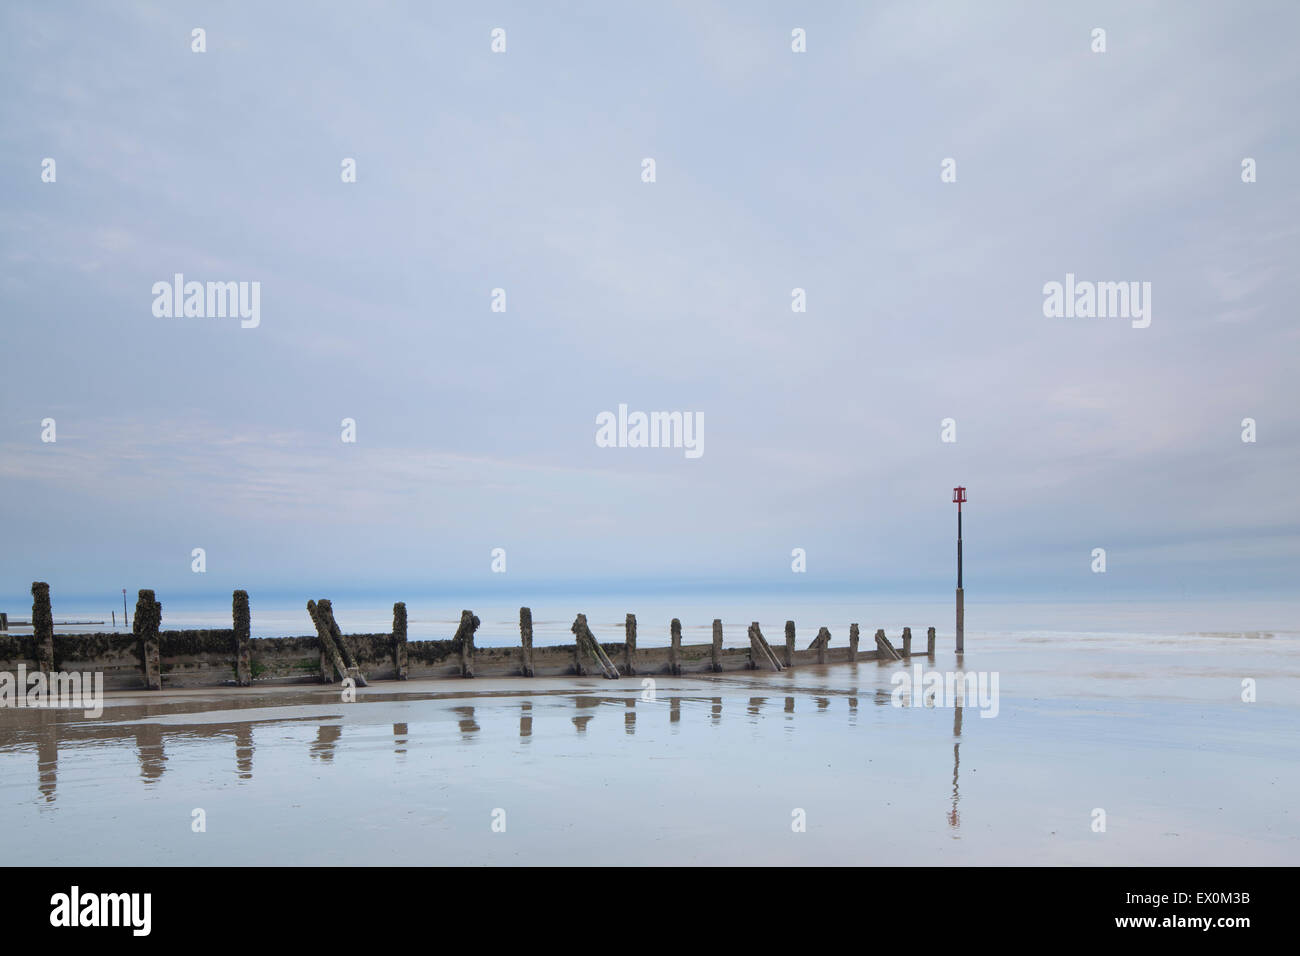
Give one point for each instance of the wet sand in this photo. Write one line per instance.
(711, 771)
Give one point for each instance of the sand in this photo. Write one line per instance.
(709, 771)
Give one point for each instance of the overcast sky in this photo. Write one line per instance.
(775, 170)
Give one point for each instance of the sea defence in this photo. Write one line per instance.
(152, 658)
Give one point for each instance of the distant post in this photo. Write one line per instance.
(148, 616)
(526, 641)
(675, 648)
(399, 640)
(126, 621)
(243, 635)
(629, 646)
(464, 641)
(716, 651)
(42, 627)
(958, 497)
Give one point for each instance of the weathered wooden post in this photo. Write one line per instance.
(587, 640)
(884, 650)
(853, 642)
(929, 643)
(325, 610)
(760, 652)
(243, 638)
(907, 642)
(716, 654)
(789, 643)
(526, 641)
(464, 640)
(675, 649)
(322, 639)
(42, 627)
(400, 662)
(331, 659)
(629, 647)
(823, 638)
(579, 667)
(148, 615)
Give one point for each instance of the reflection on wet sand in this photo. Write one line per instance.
(954, 820)
(47, 756)
(244, 751)
(45, 730)
(584, 703)
(149, 743)
(327, 735)
(468, 725)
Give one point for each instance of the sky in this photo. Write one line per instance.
(774, 170)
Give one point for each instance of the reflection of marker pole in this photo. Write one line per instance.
(125, 622)
(958, 496)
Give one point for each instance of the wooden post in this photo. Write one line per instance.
(148, 615)
(929, 643)
(907, 642)
(853, 642)
(629, 647)
(789, 643)
(820, 641)
(579, 667)
(42, 628)
(325, 610)
(526, 641)
(243, 636)
(717, 644)
(400, 662)
(331, 660)
(675, 648)
(465, 642)
(587, 641)
(884, 650)
(760, 652)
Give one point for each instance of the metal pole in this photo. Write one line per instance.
(125, 621)
(959, 494)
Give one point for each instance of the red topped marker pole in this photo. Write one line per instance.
(958, 497)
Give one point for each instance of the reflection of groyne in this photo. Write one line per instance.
(156, 724)
(153, 658)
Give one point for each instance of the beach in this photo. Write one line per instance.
(812, 766)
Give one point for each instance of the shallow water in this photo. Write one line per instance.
(711, 770)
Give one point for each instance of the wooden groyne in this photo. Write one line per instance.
(152, 658)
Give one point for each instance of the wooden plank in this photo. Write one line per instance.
(762, 651)
(331, 660)
(587, 641)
